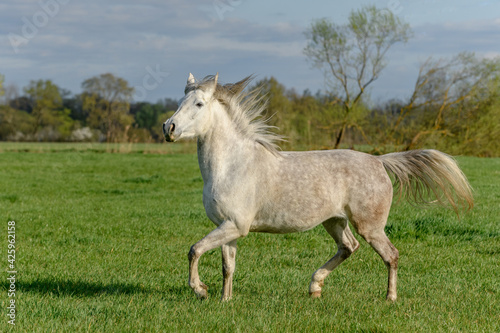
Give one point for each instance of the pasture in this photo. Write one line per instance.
(102, 236)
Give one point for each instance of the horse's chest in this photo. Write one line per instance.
(228, 202)
(217, 205)
(213, 209)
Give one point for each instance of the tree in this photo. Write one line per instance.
(51, 119)
(146, 118)
(106, 98)
(10, 93)
(146, 114)
(481, 131)
(2, 91)
(21, 103)
(15, 124)
(168, 104)
(445, 91)
(307, 112)
(351, 56)
(277, 103)
(74, 104)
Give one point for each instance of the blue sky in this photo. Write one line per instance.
(154, 44)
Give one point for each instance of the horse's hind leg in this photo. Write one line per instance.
(390, 255)
(338, 228)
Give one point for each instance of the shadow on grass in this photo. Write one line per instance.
(422, 227)
(87, 289)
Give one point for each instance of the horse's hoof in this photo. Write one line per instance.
(202, 293)
(315, 294)
(391, 298)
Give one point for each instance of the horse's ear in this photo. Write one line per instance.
(212, 86)
(191, 79)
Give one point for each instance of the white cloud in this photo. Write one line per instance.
(16, 63)
(124, 37)
(491, 55)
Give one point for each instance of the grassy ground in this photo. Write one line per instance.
(102, 242)
(92, 147)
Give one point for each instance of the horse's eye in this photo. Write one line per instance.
(199, 104)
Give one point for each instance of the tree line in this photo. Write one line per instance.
(454, 106)
(103, 112)
(458, 116)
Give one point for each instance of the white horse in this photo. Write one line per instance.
(250, 186)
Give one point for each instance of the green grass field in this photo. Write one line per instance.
(102, 242)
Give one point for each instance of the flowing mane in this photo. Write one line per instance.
(245, 108)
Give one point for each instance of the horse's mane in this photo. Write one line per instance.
(245, 108)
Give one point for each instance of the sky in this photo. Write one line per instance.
(155, 44)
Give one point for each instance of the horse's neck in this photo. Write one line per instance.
(219, 151)
(223, 152)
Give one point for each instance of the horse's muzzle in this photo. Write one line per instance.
(168, 131)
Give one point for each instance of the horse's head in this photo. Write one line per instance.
(191, 118)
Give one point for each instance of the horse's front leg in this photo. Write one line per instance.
(224, 234)
(228, 266)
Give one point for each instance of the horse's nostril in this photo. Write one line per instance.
(172, 128)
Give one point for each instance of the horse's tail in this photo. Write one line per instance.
(420, 174)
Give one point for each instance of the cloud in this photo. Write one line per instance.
(451, 38)
(491, 55)
(437, 41)
(89, 38)
(15, 63)
(124, 37)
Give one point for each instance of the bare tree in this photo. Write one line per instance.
(352, 55)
